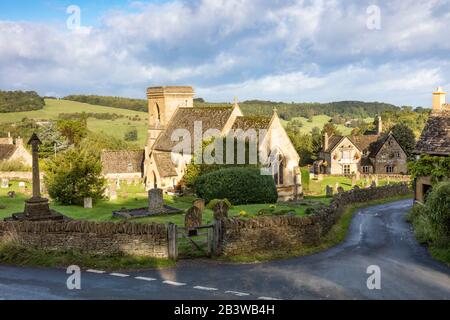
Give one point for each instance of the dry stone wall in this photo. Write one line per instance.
(284, 233)
(148, 240)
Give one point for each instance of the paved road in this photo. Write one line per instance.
(378, 236)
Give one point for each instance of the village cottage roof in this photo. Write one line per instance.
(165, 165)
(435, 138)
(122, 161)
(184, 118)
(361, 142)
(6, 151)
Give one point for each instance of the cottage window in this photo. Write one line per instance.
(365, 169)
(347, 169)
(389, 169)
(346, 155)
(365, 153)
(397, 154)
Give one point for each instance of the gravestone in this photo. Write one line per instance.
(112, 192)
(22, 184)
(220, 210)
(356, 187)
(329, 191)
(340, 190)
(155, 200)
(5, 183)
(199, 203)
(192, 219)
(319, 177)
(373, 184)
(11, 194)
(336, 187)
(118, 184)
(88, 203)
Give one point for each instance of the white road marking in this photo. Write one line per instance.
(205, 288)
(121, 275)
(237, 293)
(173, 283)
(267, 298)
(95, 271)
(145, 279)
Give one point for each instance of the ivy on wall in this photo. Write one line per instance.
(438, 168)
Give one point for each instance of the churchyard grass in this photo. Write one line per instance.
(135, 197)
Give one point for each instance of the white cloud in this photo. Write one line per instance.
(283, 50)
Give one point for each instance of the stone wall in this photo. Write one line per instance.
(285, 233)
(149, 240)
(24, 176)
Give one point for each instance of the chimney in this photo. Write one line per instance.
(325, 141)
(19, 142)
(438, 98)
(379, 126)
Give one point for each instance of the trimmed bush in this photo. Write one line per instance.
(213, 202)
(238, 185)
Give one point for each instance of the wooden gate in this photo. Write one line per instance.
(202, 241)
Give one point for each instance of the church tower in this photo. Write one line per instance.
(162, 104)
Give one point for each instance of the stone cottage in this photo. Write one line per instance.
(172, 111)
(366, 154)
(434, 140)
(11, 150)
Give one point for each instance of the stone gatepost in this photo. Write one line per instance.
(199, 203)
(193, 219)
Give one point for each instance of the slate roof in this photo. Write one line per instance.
(6, 151)
(332, 142)
(435, 138)
(165, 165)
(122, 161)
(252, 122)
(184, 118)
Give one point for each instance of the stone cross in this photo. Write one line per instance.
(35, 142)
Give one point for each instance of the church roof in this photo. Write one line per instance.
(252, 122)
(435, 138)
(165, 165)
(6, 151)
(122, 161)
(184, 118)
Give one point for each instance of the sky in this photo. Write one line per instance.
(282, 50)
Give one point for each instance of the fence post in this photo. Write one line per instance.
(172, 241)
(217, 237)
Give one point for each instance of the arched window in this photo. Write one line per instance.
(278, 169)
(157, 115)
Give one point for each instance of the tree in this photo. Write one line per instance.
(405, 137)
(73, 130)
(74, 175)
(331, 129)
(131, 135)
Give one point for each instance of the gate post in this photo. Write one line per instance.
(172, 241)
(217, 237)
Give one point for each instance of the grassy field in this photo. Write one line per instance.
(134, 197)
(116, 128)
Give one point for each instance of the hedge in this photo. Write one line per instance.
(238, 185)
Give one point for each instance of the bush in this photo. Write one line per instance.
(74, 175)
(14, 166)
(239, 185)
(131, 135)
(305, 178)
(438, 211)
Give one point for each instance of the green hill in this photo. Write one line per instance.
(54, 108)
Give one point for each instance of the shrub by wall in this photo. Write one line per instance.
(238, 185)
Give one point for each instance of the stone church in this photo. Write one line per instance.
(171, 109)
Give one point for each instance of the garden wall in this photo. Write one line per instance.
(149, 240)
(284, 233)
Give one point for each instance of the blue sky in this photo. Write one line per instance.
(283, 50)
